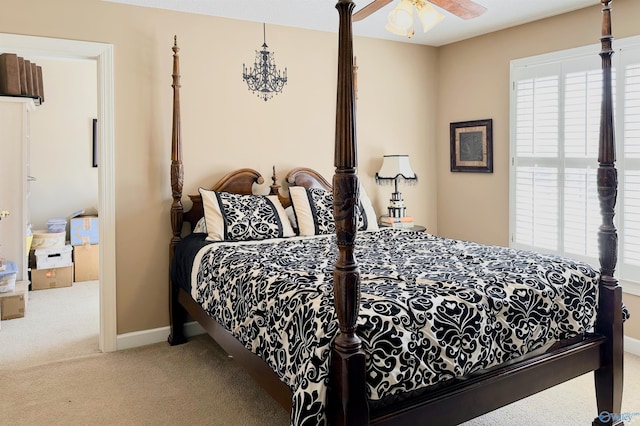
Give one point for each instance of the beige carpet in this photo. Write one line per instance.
(197, 384)
(191, 384)
(51, 373)
(60, 323)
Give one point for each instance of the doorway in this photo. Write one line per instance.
(102, 54)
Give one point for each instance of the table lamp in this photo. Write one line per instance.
(394, 168)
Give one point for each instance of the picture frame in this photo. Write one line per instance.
(472, 146)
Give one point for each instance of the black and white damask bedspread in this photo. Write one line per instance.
(432, 309)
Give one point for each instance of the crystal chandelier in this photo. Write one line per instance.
(264, 78)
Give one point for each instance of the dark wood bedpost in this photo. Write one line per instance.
(348, 381)
(609, 377)
(176, 311)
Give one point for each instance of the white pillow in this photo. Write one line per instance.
(313, 210)
(292, 217)
(369, 214)
(201, 226)
(241, 217)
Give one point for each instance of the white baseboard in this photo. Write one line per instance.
(632, 345)
(156, 335)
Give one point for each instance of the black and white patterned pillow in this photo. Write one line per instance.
(313, 208)
(240, 217)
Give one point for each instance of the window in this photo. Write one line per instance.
(555, 126)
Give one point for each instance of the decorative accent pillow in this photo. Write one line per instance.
(313, 208)
(239, 217)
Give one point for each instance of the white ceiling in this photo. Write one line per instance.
(321, 15)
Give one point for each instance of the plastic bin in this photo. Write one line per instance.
(8, 277)
(57, 225)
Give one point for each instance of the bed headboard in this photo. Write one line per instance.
(238, 181)
(241, 181)
(309, 178)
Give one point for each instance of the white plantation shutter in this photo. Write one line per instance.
(582, 101)
(536, 204)
(631, 252)
(555, 127)
(537, 117)
(631, 173)
(582, 96)
(537, 207)
(581, 212)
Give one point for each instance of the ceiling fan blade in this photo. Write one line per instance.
(372, 7)
(465, 9)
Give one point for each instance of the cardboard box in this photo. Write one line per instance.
(83, 230)
(43, 239)
(14, 305)
(42, 279)
(86, 262)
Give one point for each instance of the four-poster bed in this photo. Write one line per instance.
(346, 358)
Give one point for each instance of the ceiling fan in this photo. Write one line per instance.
(465, 9)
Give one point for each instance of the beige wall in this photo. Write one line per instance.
(407, 96)
(224, 126)
(474, 84)
(61, 139)
(632, 327)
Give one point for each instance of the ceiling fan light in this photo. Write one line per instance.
(405, 6)
(429, 17)
(402, 15)
(397, 31)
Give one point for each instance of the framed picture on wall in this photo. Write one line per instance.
(472, 146)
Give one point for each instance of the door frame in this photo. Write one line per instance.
(54, 48)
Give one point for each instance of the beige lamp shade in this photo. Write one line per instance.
(396, 166)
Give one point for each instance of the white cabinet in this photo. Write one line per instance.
(14, 184)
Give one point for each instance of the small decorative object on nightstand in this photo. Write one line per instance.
(397, 222)
(394, 168)
(405, 224)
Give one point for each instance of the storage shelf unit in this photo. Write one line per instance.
(14, 180)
